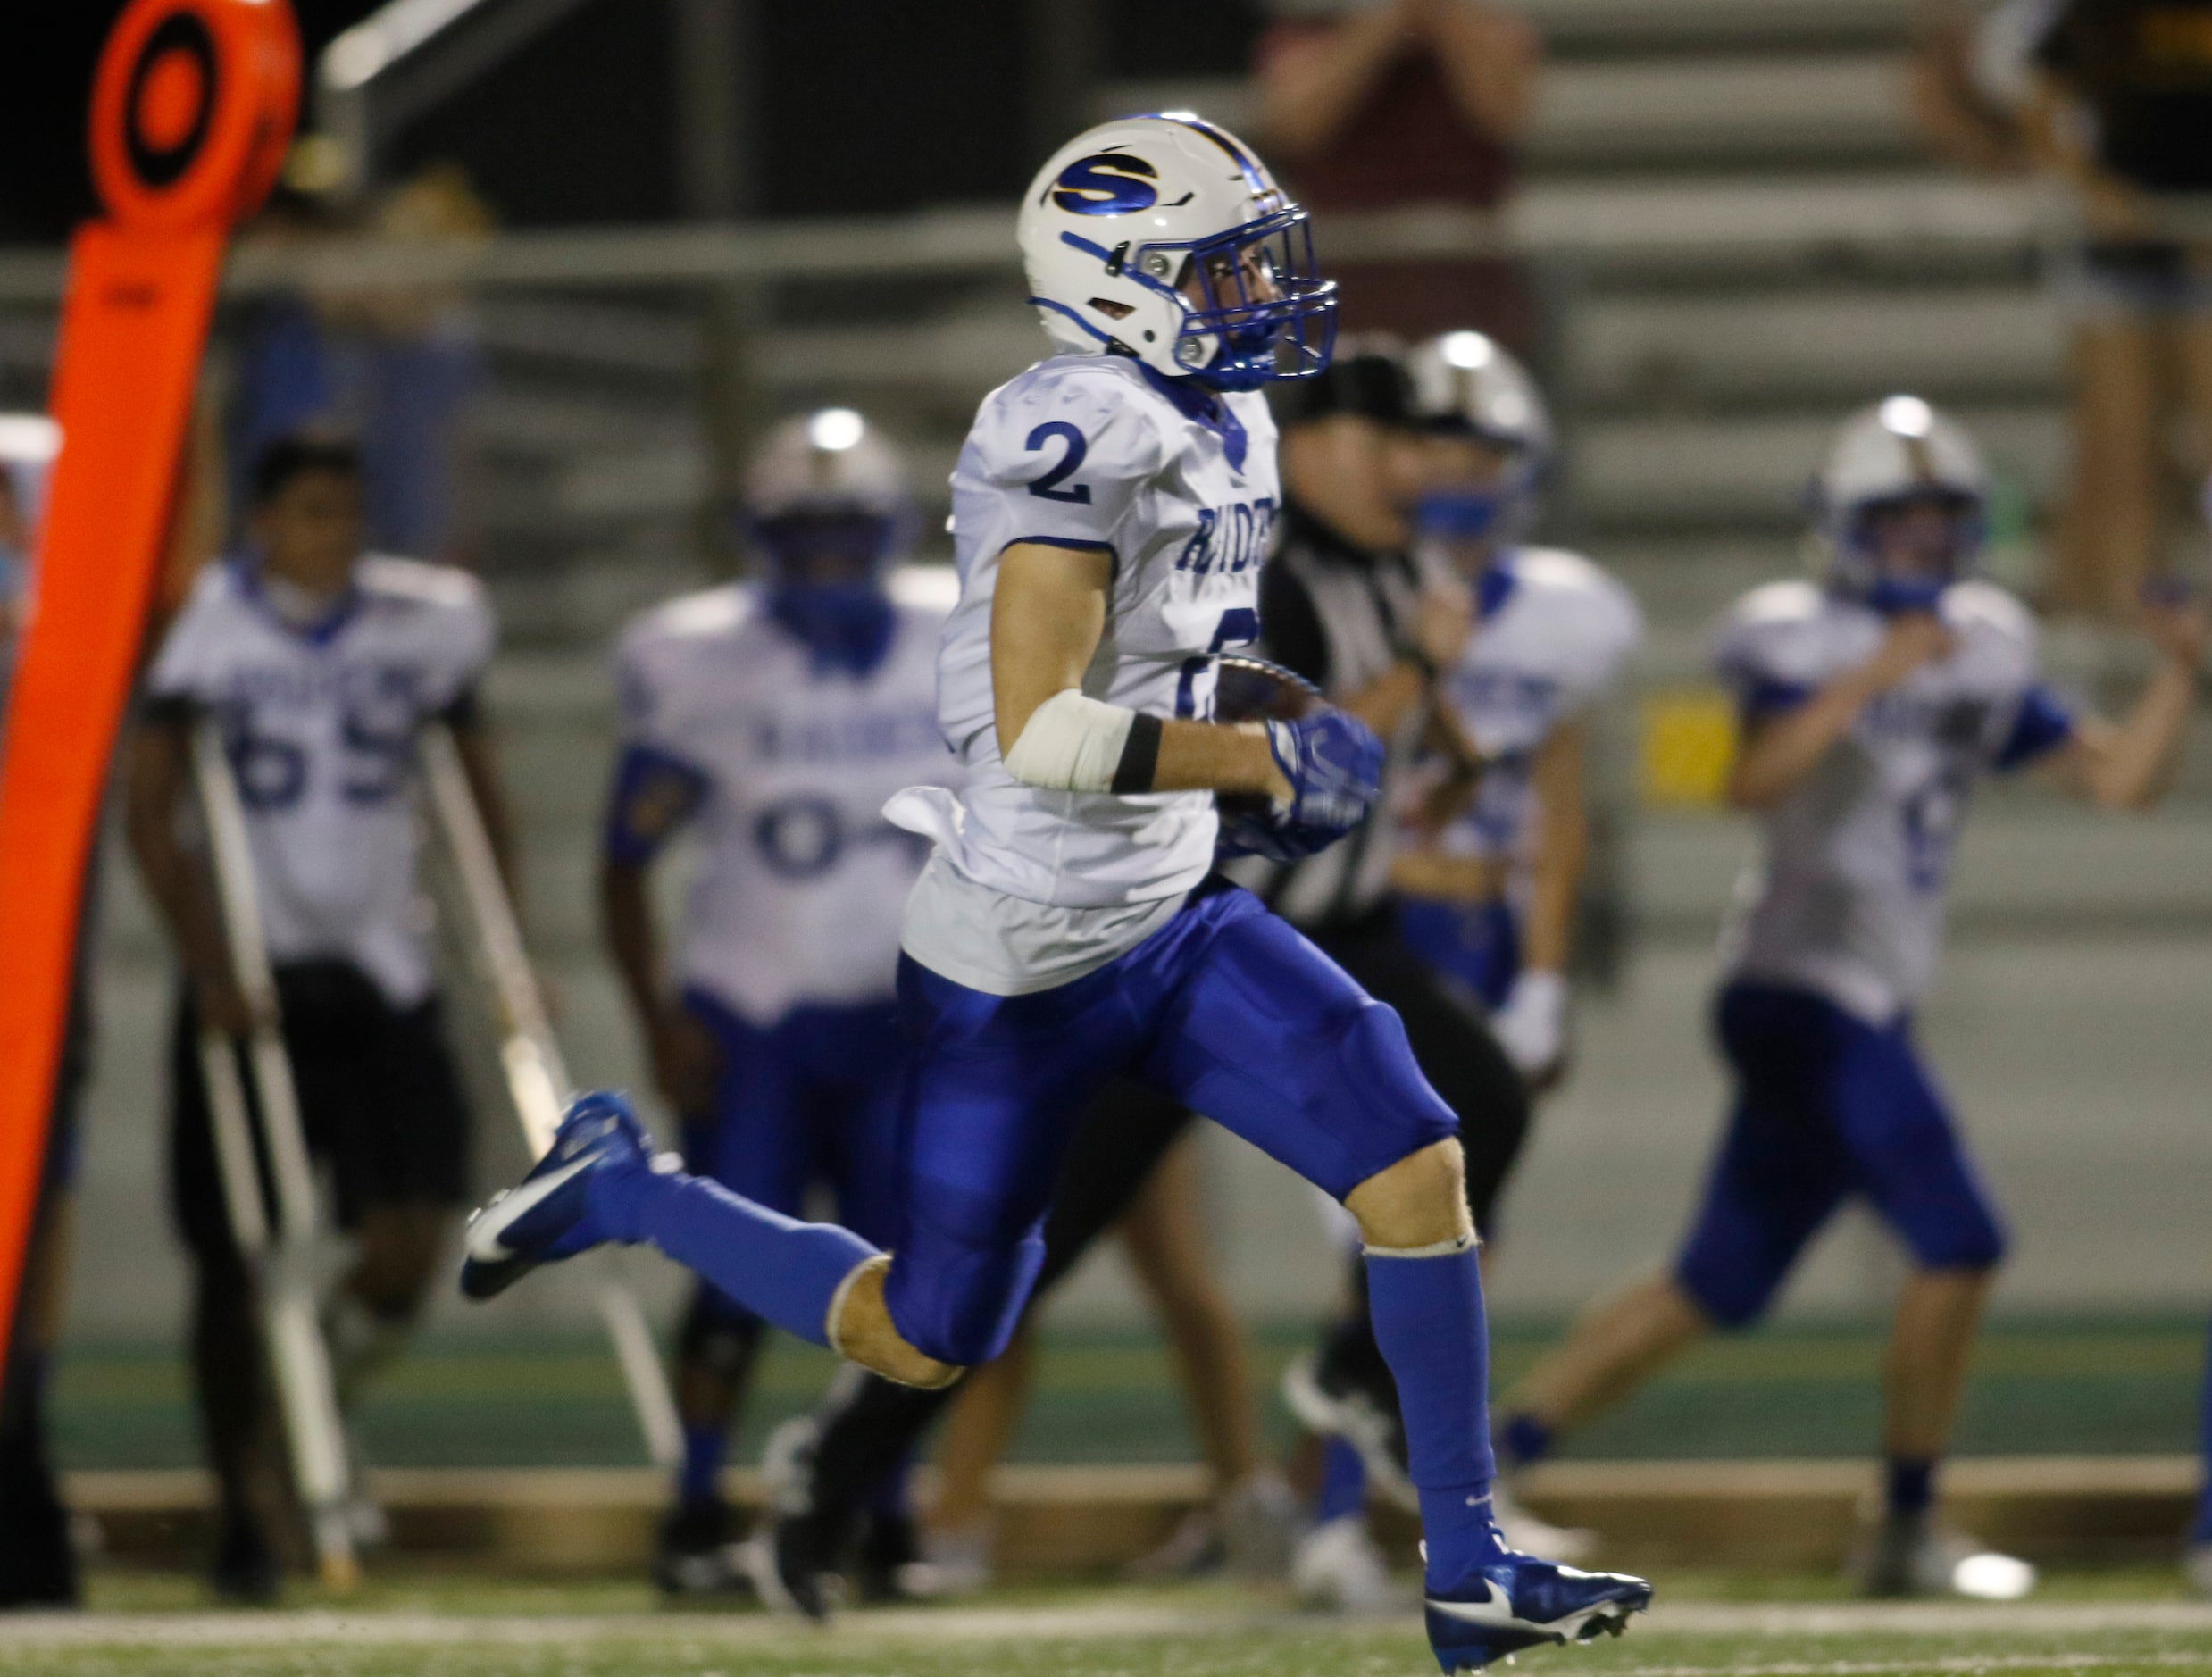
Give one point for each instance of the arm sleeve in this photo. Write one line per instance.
(1745, 667)
(653, 795)
(1290, 632)
(1071, 458)
(469, 637)
(2042, 724)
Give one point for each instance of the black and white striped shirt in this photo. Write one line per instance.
(1339, 614)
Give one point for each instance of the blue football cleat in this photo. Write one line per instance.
(1518, 1601)
(547, 1216)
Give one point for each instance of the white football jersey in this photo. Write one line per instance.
(1848, 898)
(801, 881)
(321, 723)
(1088, 449)
(1554, 633)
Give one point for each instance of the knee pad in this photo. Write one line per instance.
(1968, 1237)
(1733, 1295)
(956, 1297)
(717, 1335)
(1400, 1113)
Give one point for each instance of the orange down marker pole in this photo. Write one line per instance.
(194, 105)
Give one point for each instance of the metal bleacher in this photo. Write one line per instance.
(1732, 224)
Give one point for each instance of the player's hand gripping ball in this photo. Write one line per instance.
(1332, 761)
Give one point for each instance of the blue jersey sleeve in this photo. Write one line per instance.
(652, 795)
(2043, 723)
(1759, 698)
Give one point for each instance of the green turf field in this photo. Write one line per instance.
(2053, 1386)
(2111, 1624)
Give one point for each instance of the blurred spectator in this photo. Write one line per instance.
(1972, 73)
(2121, 110)
(395, 366)
(1378, 104)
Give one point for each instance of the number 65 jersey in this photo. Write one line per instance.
(320, 721)
(1848, 900)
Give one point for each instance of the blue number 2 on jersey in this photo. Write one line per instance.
(1045, 487)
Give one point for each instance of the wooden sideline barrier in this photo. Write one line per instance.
(1054, 1521)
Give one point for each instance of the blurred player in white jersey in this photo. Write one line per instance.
(777, 717)
(1111, 512)
(1491, 899)
(323, 664)
(1872, 701)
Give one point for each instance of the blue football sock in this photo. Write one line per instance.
(700, 1479)
(2201, 1533)
(776, 1266)
(1523, 1441)
(1343, 1482)
(1911, 1484)
(1427, 1317)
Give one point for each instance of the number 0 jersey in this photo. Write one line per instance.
(321, 722)
(1848, 899)
(785, 764)
(1095, 451)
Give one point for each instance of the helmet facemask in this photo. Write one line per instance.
(1478, 493)
(1255, 307)
(1899, 552)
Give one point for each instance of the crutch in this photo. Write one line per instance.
(536, 1077)
(279, 1256)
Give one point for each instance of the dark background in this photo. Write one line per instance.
(861, 105)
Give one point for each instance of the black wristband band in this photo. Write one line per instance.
(1140, 757)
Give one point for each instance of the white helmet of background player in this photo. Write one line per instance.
(1164, 237)
(1465, 385)
(827, 486)
(1899, 509)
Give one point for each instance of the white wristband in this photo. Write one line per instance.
(1072, 744)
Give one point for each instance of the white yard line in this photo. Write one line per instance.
(1929, 1618)
(1107, 1620)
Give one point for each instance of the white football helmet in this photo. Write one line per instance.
(827, 480)
(1122, 217)
(1899, 452)
(1467, 384)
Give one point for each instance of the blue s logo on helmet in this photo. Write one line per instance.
(1106, 184)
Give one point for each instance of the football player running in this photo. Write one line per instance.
(776, 717)
(1872, 701)
(1111, 508)
(323, 664)
(1490, 900)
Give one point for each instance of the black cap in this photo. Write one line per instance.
(1369, 381)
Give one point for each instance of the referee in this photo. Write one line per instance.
(1344, 604)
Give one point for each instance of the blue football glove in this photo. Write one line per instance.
(1334, 763)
